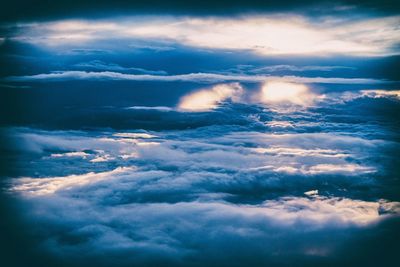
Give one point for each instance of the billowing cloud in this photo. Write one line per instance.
(251, 181)
(287, 211)
(249, 154)
(74, 207)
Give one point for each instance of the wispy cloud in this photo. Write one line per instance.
(100, 65)
(189, 77)
(293, 68)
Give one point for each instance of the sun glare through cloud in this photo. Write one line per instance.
(285, 92)
(206, 99)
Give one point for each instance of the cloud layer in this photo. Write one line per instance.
(266, 139)
(179, 196)
(267, 35)
(190, 77)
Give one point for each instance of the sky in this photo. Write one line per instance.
(224, 133)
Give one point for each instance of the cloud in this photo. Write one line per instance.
(311, 193)
(244, 68)
(241, 183)
(381, 93)
(189, 77)
(347, 168)
(284, 92)
(242, 154)
(290, 151)
(266, 35)
(250, 183)
(100, 65)
(44, 186)
(135, 135)
(285, 211)
(270, 93)
(376, 94)
(275, 68)
(15, 86)
(70, 154)
(209, 98)
(158, 108)
(174, 231)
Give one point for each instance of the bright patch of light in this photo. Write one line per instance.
(45, 186)
(135, 135)
(345, 168)
(70, 154)
(209, 98)
(311, 193)
(280, 92)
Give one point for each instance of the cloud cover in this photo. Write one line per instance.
(273, 170)
(189, 77)
(282, 34)
(255, 185)
(178, 197)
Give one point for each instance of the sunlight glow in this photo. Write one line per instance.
(281, 92)
(50, 185)
(266, 35)
(209, 98)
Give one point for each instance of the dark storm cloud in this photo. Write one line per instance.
(34, 10)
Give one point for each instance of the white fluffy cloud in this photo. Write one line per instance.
(182, 194)
(88, 208)
(249, 154)
(275, 184)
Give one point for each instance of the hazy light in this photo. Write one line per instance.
(280, 92)
(267, 35)
(209, 98)
(45, 186)
(344, 168)
(135, 135)
(70, 154)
